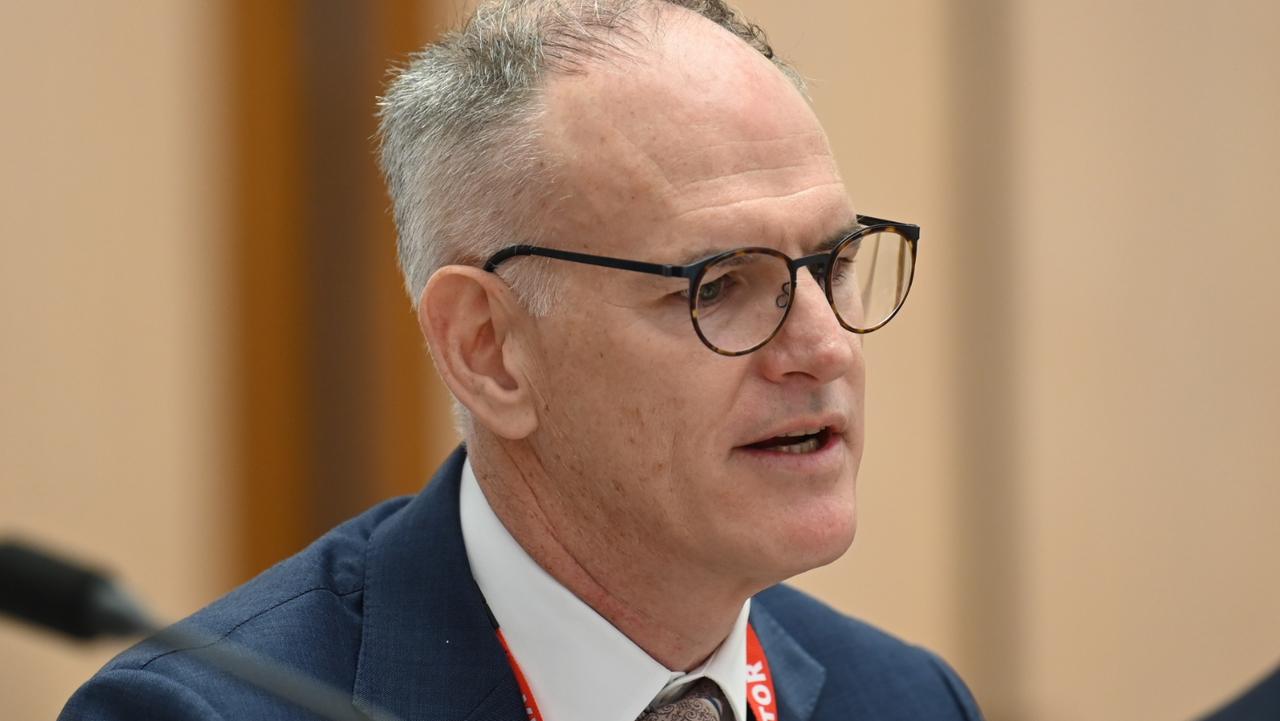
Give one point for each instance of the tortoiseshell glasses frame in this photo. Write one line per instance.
(820, 265)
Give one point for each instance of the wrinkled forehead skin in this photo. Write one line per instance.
(693, 137)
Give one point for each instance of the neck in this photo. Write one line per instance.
(676, 613)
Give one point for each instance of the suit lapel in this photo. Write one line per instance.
(797, 677)
(429, 650)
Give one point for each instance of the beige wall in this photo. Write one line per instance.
(110, 374)
(1072, 496)
(1147, 184)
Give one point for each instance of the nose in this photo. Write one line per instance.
(811, 343)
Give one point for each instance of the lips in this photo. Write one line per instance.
(800, 436)
(805, 441)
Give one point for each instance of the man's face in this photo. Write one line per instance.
(643, 431)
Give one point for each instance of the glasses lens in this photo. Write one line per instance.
(870, 279)
(741, 300)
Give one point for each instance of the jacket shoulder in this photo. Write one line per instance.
(305, 612)
(870, 673)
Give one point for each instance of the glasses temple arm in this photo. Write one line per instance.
(669, 271)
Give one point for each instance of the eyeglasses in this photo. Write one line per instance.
(739, 299)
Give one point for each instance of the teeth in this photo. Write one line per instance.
(797, 434)
(808, 446)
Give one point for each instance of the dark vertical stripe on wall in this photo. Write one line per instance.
(336, 41)
(983, 141)
(335, 393)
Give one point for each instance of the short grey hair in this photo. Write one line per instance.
(459, 143)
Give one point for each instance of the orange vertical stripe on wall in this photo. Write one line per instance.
(332, 389)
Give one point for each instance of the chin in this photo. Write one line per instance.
(830, 546)
(819, 541)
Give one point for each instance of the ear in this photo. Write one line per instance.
(468, 317)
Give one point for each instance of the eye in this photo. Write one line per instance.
(841, 269)
(711, 292)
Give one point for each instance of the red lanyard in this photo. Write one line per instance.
(761, 698)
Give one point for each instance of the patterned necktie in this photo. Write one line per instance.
(703, 702)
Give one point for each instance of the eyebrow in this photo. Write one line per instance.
(704, 252)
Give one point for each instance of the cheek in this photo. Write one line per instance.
(857, 379)
(633, 401)
(604, 380)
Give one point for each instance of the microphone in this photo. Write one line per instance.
(52, 592)
(85, 603)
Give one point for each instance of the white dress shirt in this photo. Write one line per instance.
(578, 666)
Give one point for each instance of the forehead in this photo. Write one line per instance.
(696, 138)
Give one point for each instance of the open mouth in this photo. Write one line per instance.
(807, 441)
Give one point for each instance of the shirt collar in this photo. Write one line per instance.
(578, 666)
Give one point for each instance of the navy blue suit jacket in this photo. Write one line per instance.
(1260, 703)
(385, 607)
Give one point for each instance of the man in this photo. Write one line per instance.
(598, 204)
